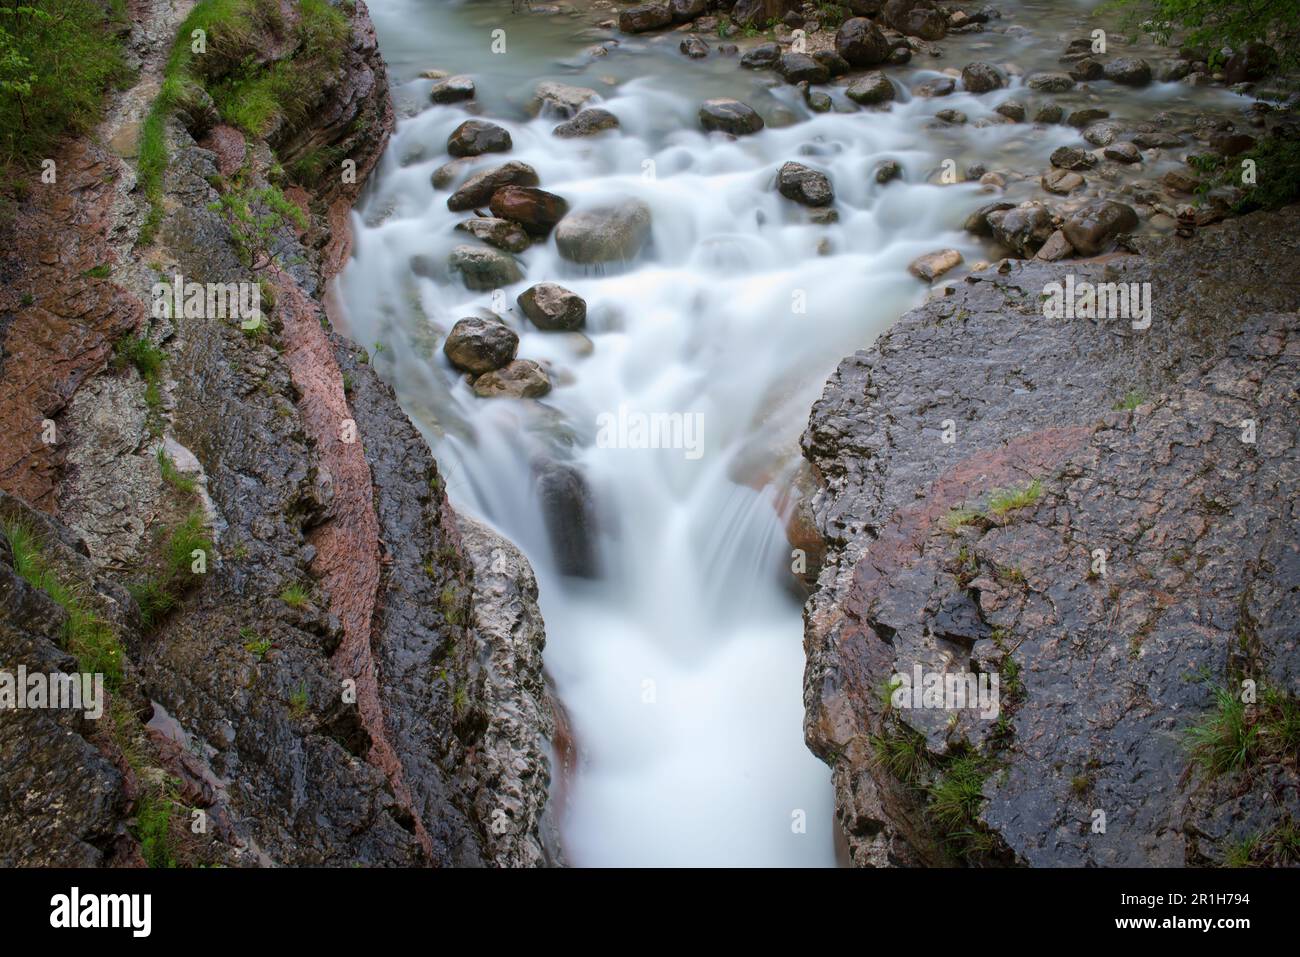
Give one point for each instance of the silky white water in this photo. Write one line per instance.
(680, 663)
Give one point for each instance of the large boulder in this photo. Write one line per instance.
(478, 189)
(800, 68)
(808, 186)
(1252, 61)
(916, 18)
(861, 43)
(683, 11)
(608, 234)
(729, 116)
(520, 379)
(760, 13)
(1022, 229)
(452, 90)
(477, 345)
(482, 268)
(535, 209)
(1091, 229)
(553, 308)
(476, 137)
(644, 17)
(871, 89)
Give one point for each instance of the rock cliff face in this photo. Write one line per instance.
(354, 675)
(1103, 516)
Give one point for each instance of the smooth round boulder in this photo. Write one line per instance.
(860, 43)
(476, 137)
(762, 57)
(982, 77)
(644, 17)
(1103, 132)
(729, 116)
(477, 345)
(482, 268)
(1130, 71)
(1122, 153)
(479, 189)
(916, 18)
(1087, 70)
(588, 122)
(835, 64)
(608, 234)
(683, 11)
(553, 308)
(1022, 229)
(520, 379)
(694, 47)
(804, 185)
(1050, 82)
(1049, 113)
(534, 209)
(453, 89)
(977, 223)
(1013, 110)
(1092, 228)
(935, 87)
(801, 68)
(1081, 118)
(1062, 182)
(871, 89)
(1067, 157)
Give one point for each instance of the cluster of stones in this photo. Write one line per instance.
(509, 212)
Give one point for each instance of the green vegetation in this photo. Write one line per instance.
(147, 358)
(1276, 173)
(255, 216)
(94, 642)
(254, 643)
(295, 596)
(298, 701)
(1130, 402)
(1235, 736)
(1211, 24)
(901, 751)
(1007, 500)
(185, 484)
(450, 601)
(154, 815)
(57, 60)
(160, 593)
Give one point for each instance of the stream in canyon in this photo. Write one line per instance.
(674, 631)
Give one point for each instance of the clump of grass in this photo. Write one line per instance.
(1225, 739)
(92, 640)
(958, 518)
(254, 643)
(958, 794)
(299, 701)
(450, 601)
(159, 594)
(185, 484)
(1003, 501)
(902, 752)
(1242, 853)
(147, 359)
(295, 596)
(1130, 402)
(153, 816)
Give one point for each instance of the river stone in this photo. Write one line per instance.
(951, 116)
(1049, 113)
(1081, 118)
(1179, 181)
(1067, 157)
(860, 43)
(609, 234)
(553, 308)
(808, 186)
(978, 222)
(535, 209)
(1172, 70)
(1130, 71)
(588, 122)
(1252, 61)
(476, 137)
(477, 345)
(888, 170)
(694, 47)
(452, 90)
(570, 517)
(933, 265)
(520, 379)
(729, 116)
(760, 12)
(1013, 110)
(1057, 247)
(800, 68)
(1091, 228)
(1061, 181)
(762, 57)
(500, 233)
(447, 173)
(818, 101)
(644, 17)
(1087, 70)
(1231, 144)
(935, 87)
(683, 11)
(1122, 153)
(478, 189)
(982, 77)
(871, 89)
(1103, 133)
(1156, 139)
(835, 64)
(1050, 82)
(559, 99)
(916, 18)
(1022, 229)
(482, 268)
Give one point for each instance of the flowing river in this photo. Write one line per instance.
(677, 652)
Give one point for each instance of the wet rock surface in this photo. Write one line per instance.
(1135, 436)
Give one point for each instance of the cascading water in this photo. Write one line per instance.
(678, 656)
